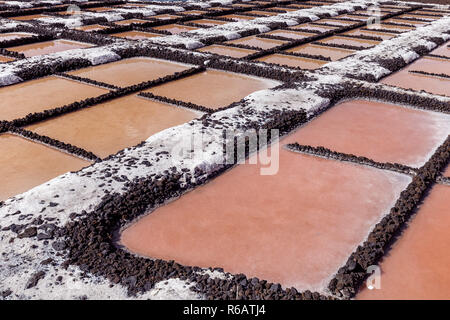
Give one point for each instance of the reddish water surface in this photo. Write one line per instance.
(443, 50)
(349, 41)
(25, 164)
(389, 27)
(317, 27)
(295, 228)
(410, 22)
(407, 80)
(131, 71)
(431, 65)
(5, 59)
(192, 12)
(18, 100)
(125, 122)
(260, 43)
(263, 13)
(417, 265)
(46, 47)
(30, 17)
(313, 49)
(377, 130)
(447, 171)
(193, 88)
(14, 35)
(130, 21)
(336, 22)
(209, 22)
(175, 28)
(359, 32)
(291, 34)
(91, 27)
(227, 51)
(291, 61)
(136, 35)
(237, 17)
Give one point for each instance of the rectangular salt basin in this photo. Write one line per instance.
(430, 65)
(46, 47)
(296, 227)
(208, 22)
(237, 17)
(292, 61)
(227, 51)
(401, 21)
(316, 27)
(417, 265)
(291, 34)
(30, 17)
(329, 52)
(25, 164)
(360, 32)
(164, 17)
(125, 122)
(343, 23)
(349, 41)
(380, 131)
(136, 35)
(5, 59)
(19, 100)
(175, 28)
(262, 13)
(14, 35)
(192, 12)
(91, 27)
(257, 42)
(383, 26)
(443, 50)
(130, 21)
(131, 71)
(414, 81)
(222, 88)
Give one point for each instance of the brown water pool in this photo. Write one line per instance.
(292, 61)
(336, 22)
(5, 59)
(209, 22)
(18, 100)
(237, 17)
(430, 65)
(175, 28)
(25, 164)
(91, 27)
(130, 21)
(407, 80)
(317, 27)
(14, 35)
(443, 50)
(417, 265)
(164, 17)
(291, 34)
(227, 51)
(296, 227)
(46, 47)
(380, 131)
(125, 122)
(359, 32)
(349, 41)
(223, 88)
(256, 42)
(131, 71)
(30, 17)
(313, 49)
(136, 35)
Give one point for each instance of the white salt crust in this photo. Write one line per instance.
(20, 259)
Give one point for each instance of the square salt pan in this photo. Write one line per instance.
(46, 47)
(380, 131)
(19, 100)
(25, 164)
(132, 71)
(296, 227)
(212, 88)
(109, 127)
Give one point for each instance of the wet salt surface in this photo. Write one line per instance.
(46, 47)
(209, 22)
(417, 265)
(295, 228)
(131, 71)
(92, 27)
(193, 88)
(336, 22)
(237, 17)
(25, 164)
(227, 51)
(175, 28)
(164, 17)
(5, 59)
(349, 41)
(130, 21)
(30, 17)
(316, 27)
(124, 123)
(407, 80)
(443, 50)
(291, 34)
(18, 100)
(430, 65)
(359, 32)
(291, 61)
(379, 131)
(14, 35)
(136, 35)
(254, 41)
(313, 49)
